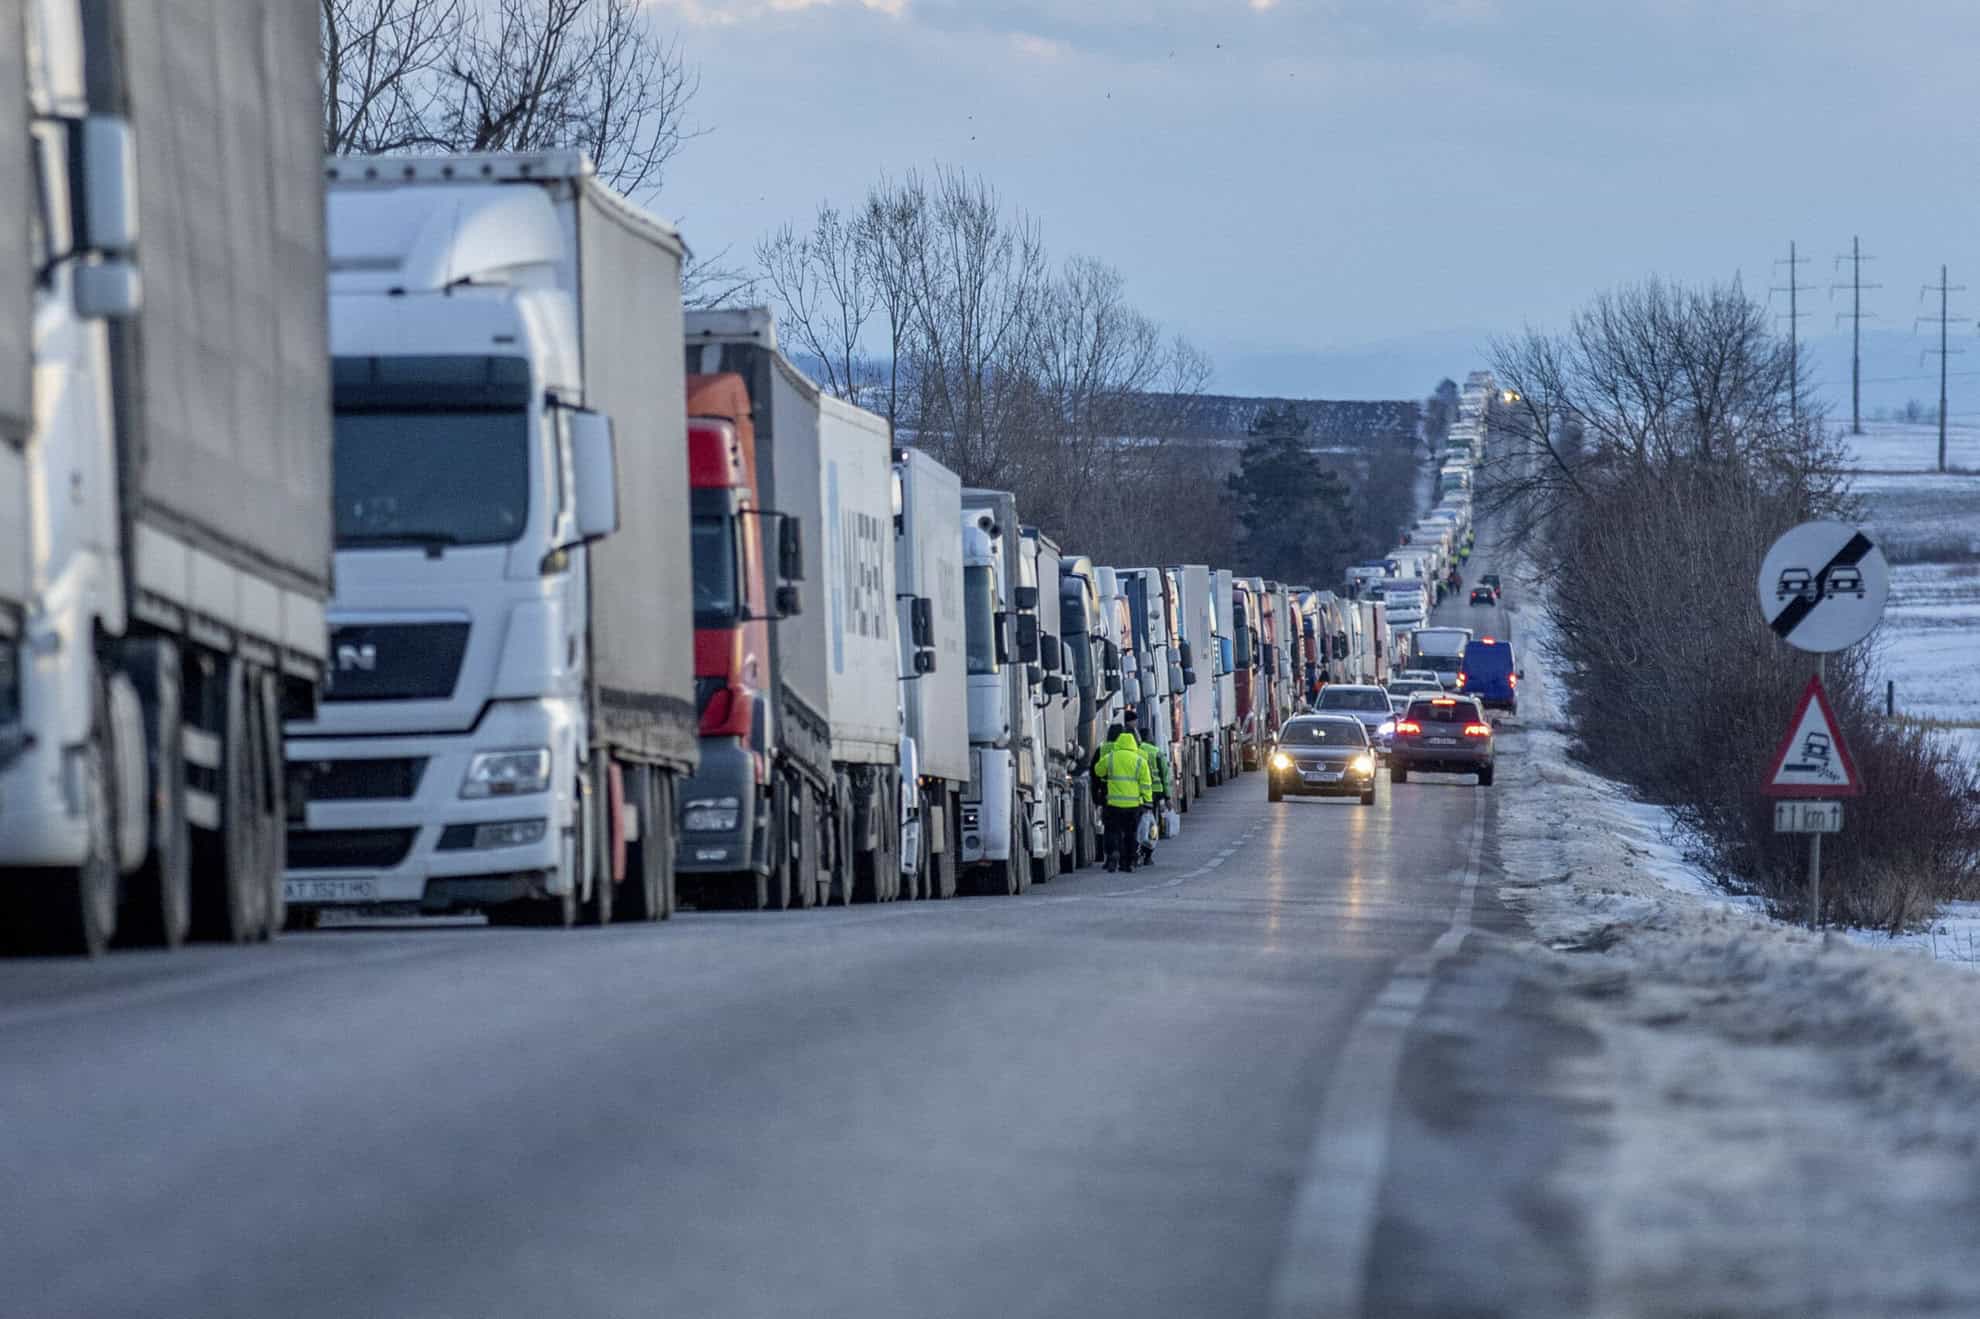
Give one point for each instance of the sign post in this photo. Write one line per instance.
(1822, 588)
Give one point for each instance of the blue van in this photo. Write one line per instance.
(1488, 672)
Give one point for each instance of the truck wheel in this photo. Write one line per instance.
(773, 887)
(800, 845)
(230, 888)
(157, 908)
(942, 874)
(597, 806)
(273, 795)
(642, 901)
(73, 909)
(1020, 848)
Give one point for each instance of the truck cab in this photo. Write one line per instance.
(1002, 828)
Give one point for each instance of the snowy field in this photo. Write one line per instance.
(1929, 525)
(1903, 446)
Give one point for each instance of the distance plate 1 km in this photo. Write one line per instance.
(1822, 586)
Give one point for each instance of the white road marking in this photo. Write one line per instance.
(1324, 1262)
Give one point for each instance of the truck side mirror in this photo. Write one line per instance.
(1048, 653)
(1178, 677)
(790, 548)
(104, 190)
(1027, 637)
(1189, 677)
(1024, 598)
(924, 661)
(107, 290)
(1188, 656)
(594, 463)
(1054, 685)
(921, 621)
(1003, 637)
(789, 601)
(1340, 645)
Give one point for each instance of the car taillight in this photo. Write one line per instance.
(1409, 726)
(1478, 730)
(1512, 679)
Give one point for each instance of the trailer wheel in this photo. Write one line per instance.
(642, 899)
(942, 875)
(1020, 847)
(597, 814)
(231, 886)
(157, 906)
(272, 791)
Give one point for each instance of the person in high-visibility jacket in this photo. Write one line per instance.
(1157, 798)
(1123, 771)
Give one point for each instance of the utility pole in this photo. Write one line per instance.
(1793, 290)
(1856, 287)
(1944, 290)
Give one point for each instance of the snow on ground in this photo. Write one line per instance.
(1792, 1119)
(1906, 446)
(1929, 525)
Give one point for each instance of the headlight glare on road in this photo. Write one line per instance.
(507, 773)
(1280, 760)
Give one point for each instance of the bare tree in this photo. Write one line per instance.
(826, 291)
(383, 67)
(514, 75)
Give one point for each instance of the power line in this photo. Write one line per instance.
(1856, 287)
(1943, 289)
(1793, 290)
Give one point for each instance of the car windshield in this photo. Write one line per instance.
(1323, 732)
(1359, 699)
(1443, 712)
(980, 620)
(425, 478)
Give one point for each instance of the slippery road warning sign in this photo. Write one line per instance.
(1822, 586)
(1812, 760)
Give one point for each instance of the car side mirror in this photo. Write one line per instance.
(594, 463)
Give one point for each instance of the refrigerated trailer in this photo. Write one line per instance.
(835, 665)
(164, 461)
(511, 705)
(1196, 620)
(1003, 826)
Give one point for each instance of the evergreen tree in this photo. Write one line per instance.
(1294, 516)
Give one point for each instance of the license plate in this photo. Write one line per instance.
(1441, 741)
(1323, 777)
(330, 890)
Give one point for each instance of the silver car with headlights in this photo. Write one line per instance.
(1365, 702)
(1321, 755)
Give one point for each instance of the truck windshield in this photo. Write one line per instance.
(431, 478)
(716, 600)
(980, 620)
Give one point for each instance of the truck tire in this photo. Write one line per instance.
(598, 856)
(942, 870)
(801, 844)
(231, 886)
(157, 904)
(641, 900)
(773, 886)
(274, 837)
(1020, 848)
(72, 910)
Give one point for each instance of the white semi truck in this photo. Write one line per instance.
(511, 700)
(928, 587)
(164, 462)
(1004, 829)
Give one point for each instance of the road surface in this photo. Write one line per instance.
(1291, 1069)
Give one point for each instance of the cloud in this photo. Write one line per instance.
(728, 13)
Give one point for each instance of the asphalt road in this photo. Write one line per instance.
(1284, 1071)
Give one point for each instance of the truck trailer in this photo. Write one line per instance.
(165, 463)
(928, 586)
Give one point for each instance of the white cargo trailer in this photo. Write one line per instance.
(935, 701)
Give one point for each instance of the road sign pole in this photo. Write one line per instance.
(1815, 840)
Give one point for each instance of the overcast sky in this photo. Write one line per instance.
(1281, 178)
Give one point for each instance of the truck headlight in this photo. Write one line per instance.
(507, 773)
(711, 815)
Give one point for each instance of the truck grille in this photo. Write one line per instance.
(395, 661)
(394, 779)
(349, 849)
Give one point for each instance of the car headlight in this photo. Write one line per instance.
(1364, 764)
(507, 773)
(711, 815)
(1388, 726)
(1280, 760)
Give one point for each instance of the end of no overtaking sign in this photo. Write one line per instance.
(1822, 586)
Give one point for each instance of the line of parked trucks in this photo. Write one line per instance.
(385, 534)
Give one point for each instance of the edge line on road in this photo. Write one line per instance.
(1323, 1264)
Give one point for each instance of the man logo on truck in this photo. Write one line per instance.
(357, 657)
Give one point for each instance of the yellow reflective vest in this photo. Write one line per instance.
(1125, 772)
